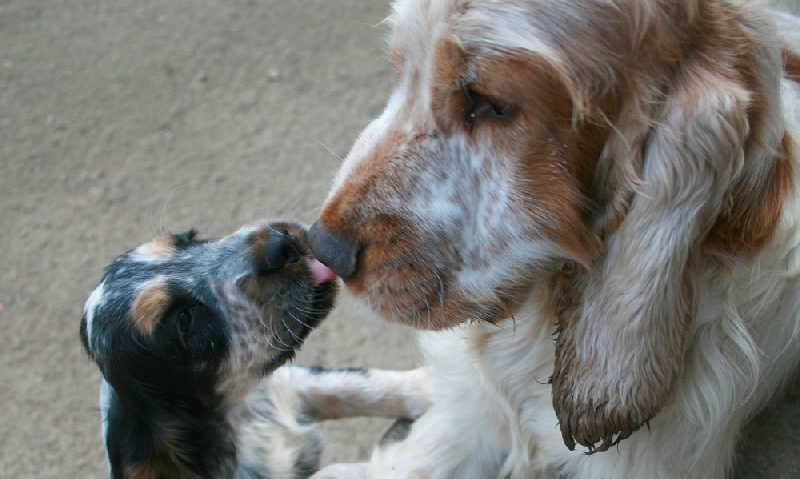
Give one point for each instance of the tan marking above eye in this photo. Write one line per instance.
(160, 248)
(150, 306)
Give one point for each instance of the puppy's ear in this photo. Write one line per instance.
(84, 335)
(129, 444)
(186, 238)
(679, 164)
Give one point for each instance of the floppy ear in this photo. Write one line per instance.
(129, 444)
(625, 321)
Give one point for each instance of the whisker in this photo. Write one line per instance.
(287, 328)
(329, 150)
(299, 320)
(277, 232)
(162, 229)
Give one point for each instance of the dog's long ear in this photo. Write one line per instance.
(696, 165)
(129, 443)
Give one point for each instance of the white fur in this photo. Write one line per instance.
(95, 299)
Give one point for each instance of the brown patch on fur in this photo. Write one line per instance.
(753, 210)
(166, 457)
(160, 248)
(140, 471)
(149, 307)
(383, 238)
(343, 213)
(396, 60)
(448, 101)
(791, 65)
(556, 157)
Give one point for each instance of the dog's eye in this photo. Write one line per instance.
(480, 106)
(501, 111)
(185, 319)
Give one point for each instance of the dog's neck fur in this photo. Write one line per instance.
(161, 437)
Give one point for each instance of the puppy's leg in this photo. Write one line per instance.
(317, 394)
(438, 446)
(324, 394)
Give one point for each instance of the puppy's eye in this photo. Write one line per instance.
(185, 319)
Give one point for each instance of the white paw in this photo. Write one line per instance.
(342, 471)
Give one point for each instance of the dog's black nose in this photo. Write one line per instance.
(280, 250)
(333, 251)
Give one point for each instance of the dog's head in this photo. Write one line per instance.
(182, 328)
(590, 148)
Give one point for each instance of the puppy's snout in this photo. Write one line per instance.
(280, 251)
(335, 252)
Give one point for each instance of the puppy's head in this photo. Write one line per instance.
(184, 327)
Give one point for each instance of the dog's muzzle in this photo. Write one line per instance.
(334, 251)
(280, 251)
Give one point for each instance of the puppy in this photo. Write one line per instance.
(187, 334)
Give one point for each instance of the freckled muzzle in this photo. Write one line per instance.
(286, 277)
(279, 298)
(402, 276)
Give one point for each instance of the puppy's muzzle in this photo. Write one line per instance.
(280, 251)
(335, 252)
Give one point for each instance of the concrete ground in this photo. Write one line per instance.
(121, 119)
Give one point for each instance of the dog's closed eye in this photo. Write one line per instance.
(192, 324)
(481, 106)
(185, 317)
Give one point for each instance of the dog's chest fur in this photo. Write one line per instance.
(272, 437)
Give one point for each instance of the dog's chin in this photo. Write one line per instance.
(449, 310)
(282, 358)
(323, 298)
(292, 337)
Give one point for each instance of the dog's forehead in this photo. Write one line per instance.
(173, 256)
(158, 249)
(144, 276)
(140, 285)
(478, 28)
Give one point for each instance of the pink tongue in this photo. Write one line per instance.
(319, 272)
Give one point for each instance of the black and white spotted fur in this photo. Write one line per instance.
(189, 336)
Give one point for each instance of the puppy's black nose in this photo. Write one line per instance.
(333, 251)
(280, 250)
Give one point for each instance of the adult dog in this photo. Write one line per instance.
(189, 335)
(594, 204)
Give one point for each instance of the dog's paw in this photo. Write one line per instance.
(343, 471)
